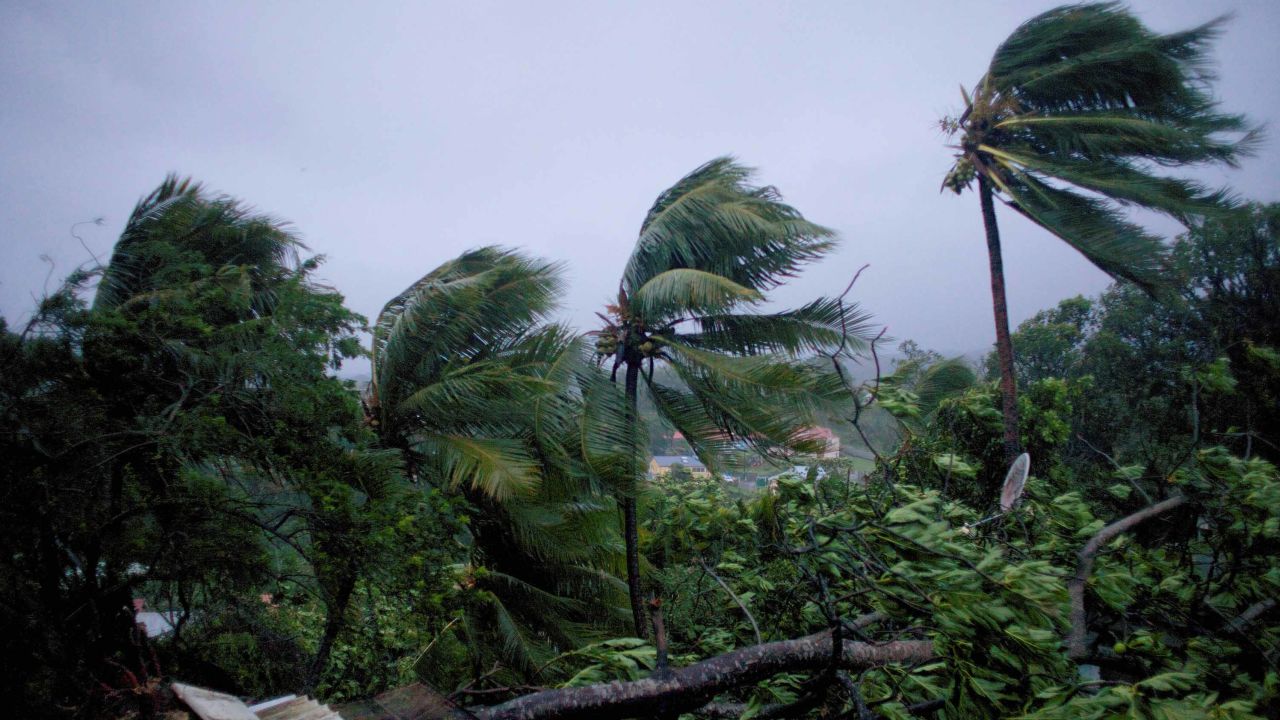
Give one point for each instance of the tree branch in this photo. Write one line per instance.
(689, 688)
(1077, 647)
(756, 628)
(1242, 621)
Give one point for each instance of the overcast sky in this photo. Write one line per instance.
(394, 136)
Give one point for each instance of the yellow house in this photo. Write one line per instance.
(660, 466)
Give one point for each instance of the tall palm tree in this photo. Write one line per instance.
(1080, 109)
(709, 249)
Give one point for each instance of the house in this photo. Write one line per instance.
(660, 466)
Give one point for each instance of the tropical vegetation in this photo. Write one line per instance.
(192, 492)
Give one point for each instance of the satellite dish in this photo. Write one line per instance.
(1014, 482)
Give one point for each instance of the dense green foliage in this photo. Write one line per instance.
(1156, 378)
(992, 597)
(174, 441)
(174, 434)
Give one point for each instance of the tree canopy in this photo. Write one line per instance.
(191, 492)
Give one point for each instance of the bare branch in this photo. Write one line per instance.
(1077, 647)
(1116, 465)
(736, 599)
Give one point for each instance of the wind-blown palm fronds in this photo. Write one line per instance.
(484, 396)
(923, 384)
(709, 250)
(456, 367)
(1079, 115)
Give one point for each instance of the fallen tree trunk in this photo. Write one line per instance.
(688, 688)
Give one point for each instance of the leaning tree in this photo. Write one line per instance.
(1079, 112)
(476, 389)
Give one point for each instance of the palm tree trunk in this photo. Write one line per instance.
(1004, 344)
(630, 529)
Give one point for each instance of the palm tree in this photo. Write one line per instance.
(709, 249)
(455, 369)
(1072, 122)
(477, 390)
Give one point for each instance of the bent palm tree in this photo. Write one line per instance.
(1079, 109)
(709, 249)
(476, 390)
(455, 368)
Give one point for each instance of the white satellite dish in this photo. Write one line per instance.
(1010, 492)
(1014, 482)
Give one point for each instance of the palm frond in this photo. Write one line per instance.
(767, 402)
(1098, 55)
(176, 229)
(1094, 228)
(940, 380)
(1119, 133)
(501, 468)
(818, 326)
(564, 532)
(681, 291)
(487, 390)
(1120, 181)
(519, 649)
(462, 310)
(713, 220)
(687, 413)
(122, 273)
(612, 447)
(767, 423)
(777, 376)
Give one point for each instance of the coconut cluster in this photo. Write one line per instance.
(606, 344)
(961, 174)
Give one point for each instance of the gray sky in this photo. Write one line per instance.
(396, 136)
